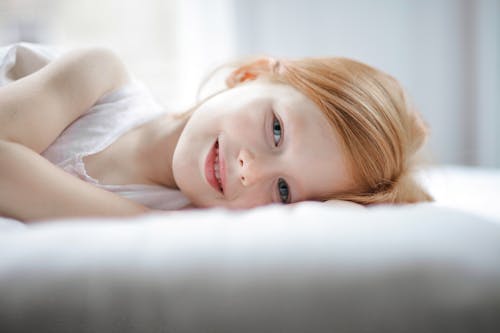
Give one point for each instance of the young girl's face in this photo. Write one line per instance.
(274, 146)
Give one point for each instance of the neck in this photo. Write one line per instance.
(156, 149)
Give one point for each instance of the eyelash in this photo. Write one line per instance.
(283, 188)
(277, 127)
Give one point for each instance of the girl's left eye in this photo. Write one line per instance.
(283, 191)
(276, 131)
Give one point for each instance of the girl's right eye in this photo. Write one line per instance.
(276, 131)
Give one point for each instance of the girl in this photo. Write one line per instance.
(79, 137)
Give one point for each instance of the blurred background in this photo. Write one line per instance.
(445, 52)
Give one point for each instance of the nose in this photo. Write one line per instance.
(251, 170)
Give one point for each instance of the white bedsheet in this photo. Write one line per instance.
(309, 268)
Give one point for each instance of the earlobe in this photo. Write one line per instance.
(251, 71)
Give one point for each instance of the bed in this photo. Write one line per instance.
(429, 267)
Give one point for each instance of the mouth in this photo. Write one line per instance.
(213, 168)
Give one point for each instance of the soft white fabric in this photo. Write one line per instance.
(112, 116)
(32, 55)
(309, 268)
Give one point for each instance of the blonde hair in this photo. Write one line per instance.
(380, 132)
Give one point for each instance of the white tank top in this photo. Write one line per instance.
(112, 116)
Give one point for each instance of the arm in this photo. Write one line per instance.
(32, 188)
(34, 110)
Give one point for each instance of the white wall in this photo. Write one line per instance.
(487, 51)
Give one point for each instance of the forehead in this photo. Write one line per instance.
(315, 162)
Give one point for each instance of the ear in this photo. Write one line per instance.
(251, 71)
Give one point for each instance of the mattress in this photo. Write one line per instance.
(428, 267)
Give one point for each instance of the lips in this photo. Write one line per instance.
(210, 169)
(222, 165)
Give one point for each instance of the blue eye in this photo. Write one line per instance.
(283, 191)
(276, 131)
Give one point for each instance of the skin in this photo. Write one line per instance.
(256, 156)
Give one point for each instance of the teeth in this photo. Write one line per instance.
(216, 166)
(217, 172)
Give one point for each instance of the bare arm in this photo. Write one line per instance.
(34, 110)
(32, 188)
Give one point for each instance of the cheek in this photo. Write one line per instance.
(243, 129)
(188, 159)
(182, 167)
(250, 198)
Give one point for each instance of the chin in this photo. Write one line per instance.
(197, 199)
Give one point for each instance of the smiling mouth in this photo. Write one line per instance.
(212, 168)
(217, 167)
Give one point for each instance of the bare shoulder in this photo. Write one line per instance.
(35, 109)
